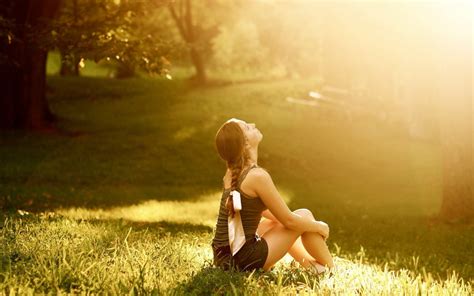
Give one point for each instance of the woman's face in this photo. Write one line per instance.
(251, 132)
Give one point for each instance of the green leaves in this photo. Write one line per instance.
(106, 29)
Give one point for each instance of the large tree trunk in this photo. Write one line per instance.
(23, 79)
(455, 95)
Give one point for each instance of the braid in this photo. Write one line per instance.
(235, 169)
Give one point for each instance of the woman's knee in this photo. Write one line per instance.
(304, 213)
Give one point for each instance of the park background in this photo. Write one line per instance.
(110, 182)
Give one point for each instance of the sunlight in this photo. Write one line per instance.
(355, 276)
(202, 211)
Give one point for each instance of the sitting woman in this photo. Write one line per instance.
(245, 241)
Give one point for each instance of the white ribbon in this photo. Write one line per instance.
(236, 229)
(236, 200)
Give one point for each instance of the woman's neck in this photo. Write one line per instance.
(253, 156)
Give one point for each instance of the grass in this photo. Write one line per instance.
(51, 252)
(126, 201)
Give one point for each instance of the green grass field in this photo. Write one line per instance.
(126, 199)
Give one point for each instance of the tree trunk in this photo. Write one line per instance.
(184, 21)
(200, 76)
(23, 102)
(455, 97)
(69, 66)
(125, 70)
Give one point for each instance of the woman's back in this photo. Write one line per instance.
(251, 213)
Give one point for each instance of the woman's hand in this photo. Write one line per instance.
(324, 229)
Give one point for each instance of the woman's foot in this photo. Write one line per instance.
(318, 268)
(321, 269)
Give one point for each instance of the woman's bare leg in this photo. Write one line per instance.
(299, 253)
(297, 250)
(314, 244)
(279, 240)
(305, 248)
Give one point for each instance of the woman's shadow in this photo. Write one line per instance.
(211, 280)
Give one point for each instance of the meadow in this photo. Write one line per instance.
(124, 198)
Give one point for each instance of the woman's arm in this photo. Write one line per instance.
(262, 184)
(267, 214)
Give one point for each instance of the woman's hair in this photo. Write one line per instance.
(230, 144)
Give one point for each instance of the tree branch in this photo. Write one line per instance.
(179, 22)
(189, 21)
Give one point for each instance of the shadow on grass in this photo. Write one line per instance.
(211, 280)
(135, 140)
(168, 227)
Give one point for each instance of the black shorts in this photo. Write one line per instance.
(251, 256)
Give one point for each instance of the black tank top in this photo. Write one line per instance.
(251, 213)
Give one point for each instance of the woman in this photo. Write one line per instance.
(242, 239)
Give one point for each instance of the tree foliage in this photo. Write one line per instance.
(112, 30)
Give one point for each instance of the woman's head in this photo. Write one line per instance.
(235, 138)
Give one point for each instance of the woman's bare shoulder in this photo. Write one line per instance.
(258, 175)
(252, 181)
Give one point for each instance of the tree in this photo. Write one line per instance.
(198, 23)
(23, 64)
(116, 30)
(28, 29)
(183, 16)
